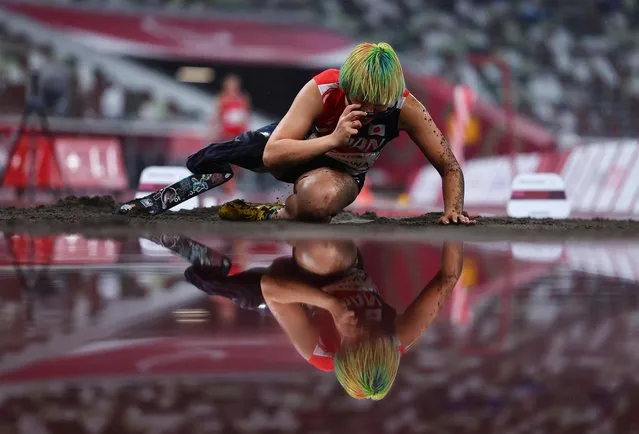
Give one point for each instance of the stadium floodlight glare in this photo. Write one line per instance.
(195, 74)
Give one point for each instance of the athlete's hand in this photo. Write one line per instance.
(345, 319)
(455, 218)
(348, 125)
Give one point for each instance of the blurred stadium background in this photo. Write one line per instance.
(133, 83)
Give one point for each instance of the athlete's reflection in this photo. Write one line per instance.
(331, 310)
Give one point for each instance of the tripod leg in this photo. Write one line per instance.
(44, 126)
(14, 141)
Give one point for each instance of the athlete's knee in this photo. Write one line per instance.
(324, 257)
(322, 194)
(315, 200)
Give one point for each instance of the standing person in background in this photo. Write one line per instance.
(55, 80)
(233, 115)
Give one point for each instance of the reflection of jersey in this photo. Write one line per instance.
(363, 149)
(234, 115)
(360, 295)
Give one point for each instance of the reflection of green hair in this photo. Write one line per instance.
(372, 73)
(367, 370)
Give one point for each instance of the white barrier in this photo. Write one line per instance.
(600, 179)
(538, 195)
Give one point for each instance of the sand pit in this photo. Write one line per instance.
(96, 216)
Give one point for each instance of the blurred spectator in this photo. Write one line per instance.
(565, 58)
(94, 97)
(55, 81)
(13, 69)
(112, 102)
(233, 117)
(152, 108)
(581, 59)
(233, 114)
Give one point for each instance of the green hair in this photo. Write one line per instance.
(372, 73)
(367, 370)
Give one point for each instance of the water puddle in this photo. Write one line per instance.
(177, 334)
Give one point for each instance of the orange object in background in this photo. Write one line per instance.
(366, 197)
(472, 130)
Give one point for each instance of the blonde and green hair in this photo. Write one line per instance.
(372, 73)
(367, 370)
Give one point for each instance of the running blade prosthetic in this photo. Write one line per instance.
(174, 194)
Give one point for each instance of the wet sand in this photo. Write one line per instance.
(96, 216)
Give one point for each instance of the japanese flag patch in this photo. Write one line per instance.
(377, 130)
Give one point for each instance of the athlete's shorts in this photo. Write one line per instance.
(247, 150)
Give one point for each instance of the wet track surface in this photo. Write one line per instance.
(119, 336)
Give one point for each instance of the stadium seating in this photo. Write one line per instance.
(71, 88)
(575, 66)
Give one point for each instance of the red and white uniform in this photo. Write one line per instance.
(361, 296)
(234, 116)
(364, 148)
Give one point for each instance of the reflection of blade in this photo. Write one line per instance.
(192, 251)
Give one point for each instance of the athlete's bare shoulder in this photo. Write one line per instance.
(413, 113)
(308, 100)
(306, 107)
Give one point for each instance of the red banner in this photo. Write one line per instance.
(26, 249)
(207, 39)
(91, 162)
(32, 156)
(71, 162)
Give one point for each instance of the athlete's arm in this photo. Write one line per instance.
(287, 146)
(421, 128)
(424, 309)
(284, 297)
